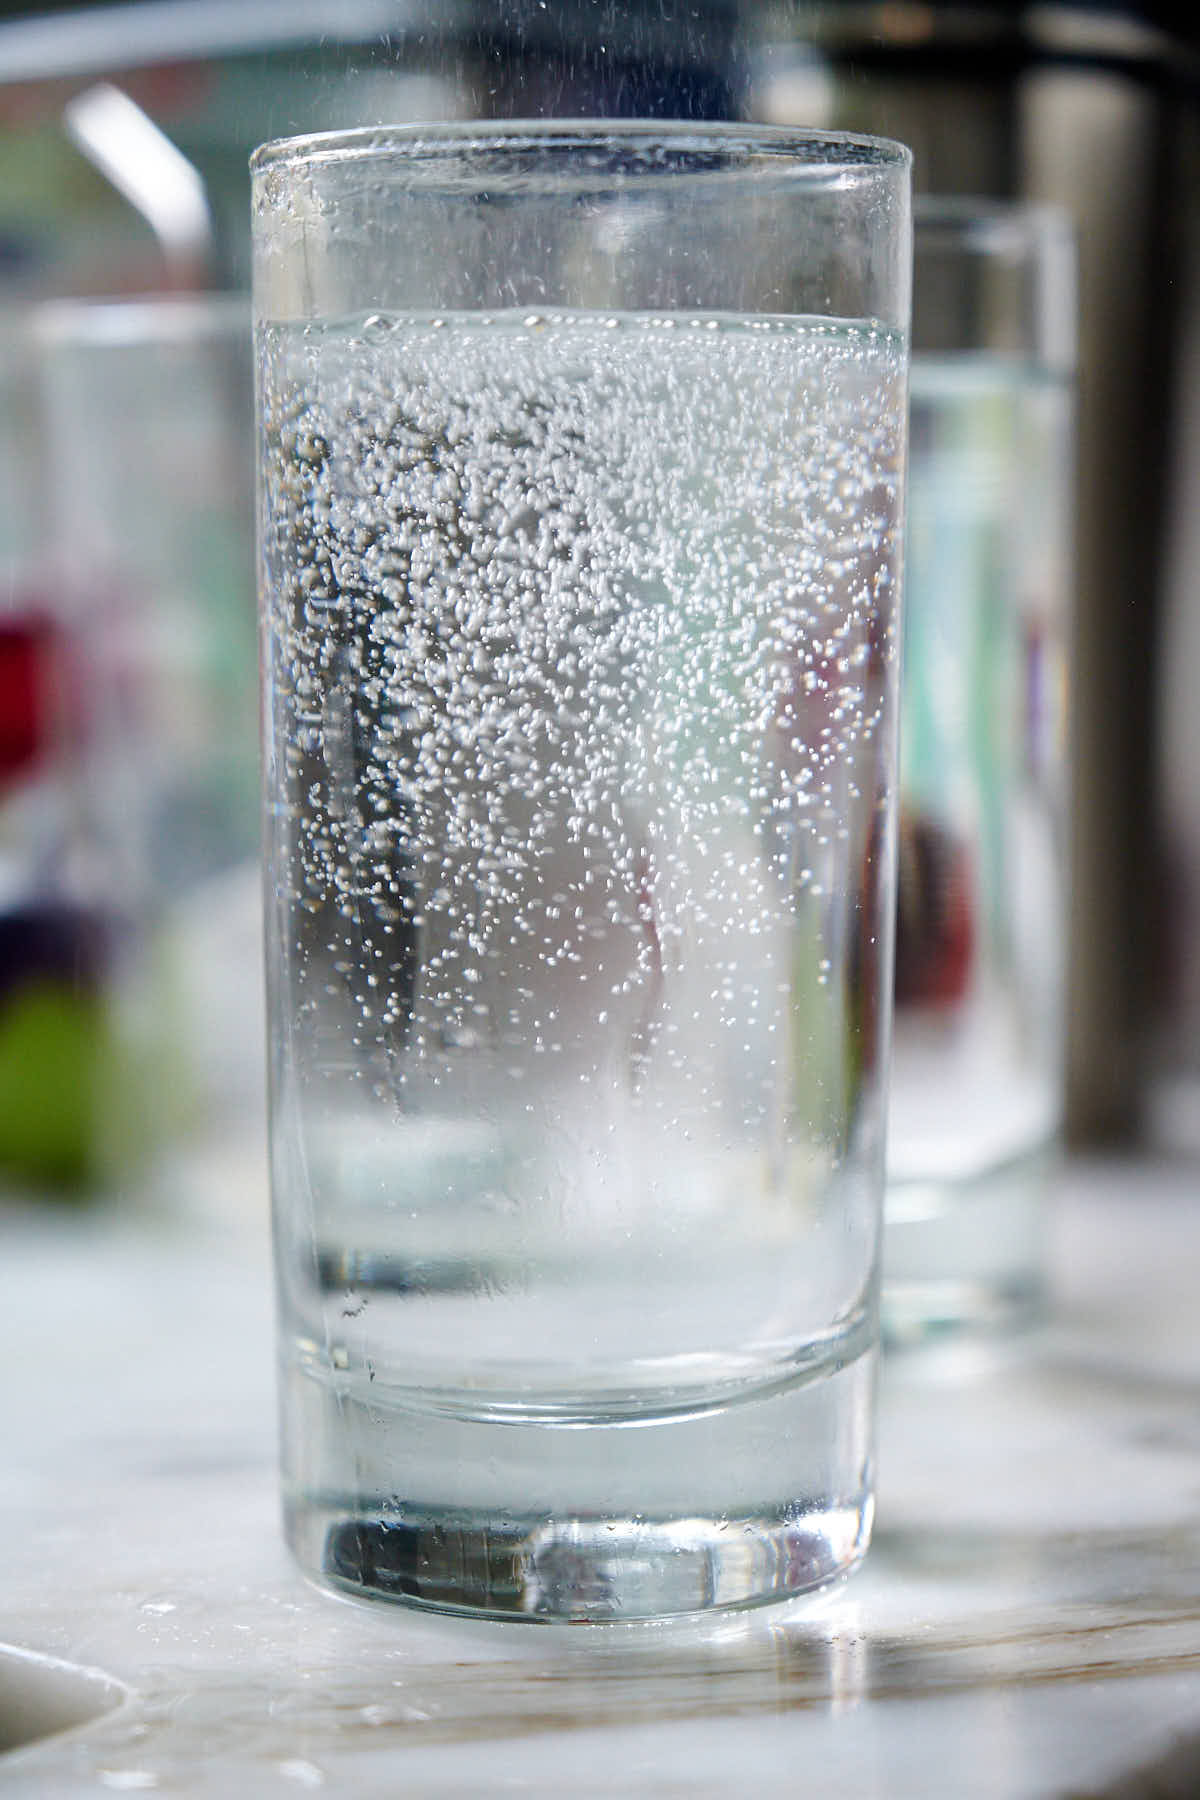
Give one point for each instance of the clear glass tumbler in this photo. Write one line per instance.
(977, 1082)
(581, 492)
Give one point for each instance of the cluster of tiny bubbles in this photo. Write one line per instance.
(579, 631)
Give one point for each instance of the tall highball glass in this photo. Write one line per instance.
(581, 460)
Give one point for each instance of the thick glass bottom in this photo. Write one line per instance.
(737, 1505)
(965, 1255)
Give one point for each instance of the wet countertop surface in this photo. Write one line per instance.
(1028, 1621)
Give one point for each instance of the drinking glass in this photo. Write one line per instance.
(55, 937)
(146, 418)
(581, 458)
(977, 1082)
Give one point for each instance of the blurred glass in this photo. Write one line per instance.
(148, 487)
(977, 1090)
(56, 938)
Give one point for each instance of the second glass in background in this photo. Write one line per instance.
(977, 1090)
(146, 417)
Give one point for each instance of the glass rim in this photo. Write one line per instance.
(799, 147)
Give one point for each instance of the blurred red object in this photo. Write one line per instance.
(935, 927)
(27, 656)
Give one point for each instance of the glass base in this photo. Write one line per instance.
(579, 1570)
(650, 1516)
(965, 1255)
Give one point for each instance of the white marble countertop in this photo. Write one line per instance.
(1028, 1621)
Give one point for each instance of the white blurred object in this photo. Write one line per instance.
(142, 163)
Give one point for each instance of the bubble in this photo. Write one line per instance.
(563, 695)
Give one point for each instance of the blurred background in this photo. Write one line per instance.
(129, 1007)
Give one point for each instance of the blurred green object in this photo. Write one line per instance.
(89, 1089)
(52, 1048)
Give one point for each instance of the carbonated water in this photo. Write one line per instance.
(580, 637)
